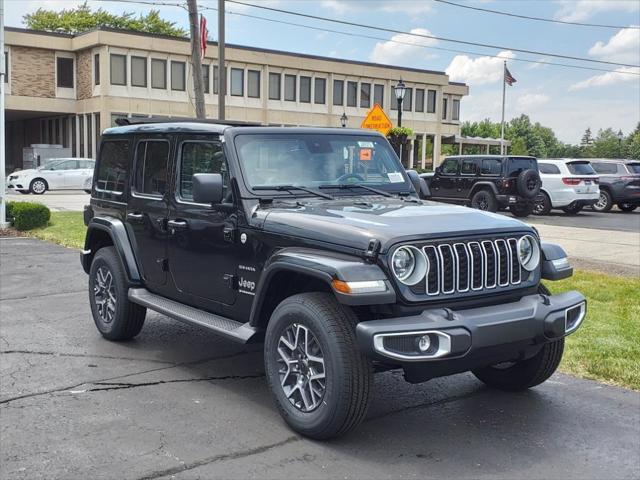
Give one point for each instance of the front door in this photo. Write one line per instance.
(56, 175)
(202, 252)
(469, 169)
(444, 183)
(147, 210)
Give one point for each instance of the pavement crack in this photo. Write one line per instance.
(29, 297)
(219, 458)
(121, 386)
(81, 355)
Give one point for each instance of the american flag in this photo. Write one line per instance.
(508, 78)
(204, 33)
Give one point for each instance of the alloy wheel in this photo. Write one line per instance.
(602, 202)
(301, 367)
(39, 186)
(104, 293)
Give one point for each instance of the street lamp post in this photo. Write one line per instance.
(620, 138)
(400, 89)
(344, 120)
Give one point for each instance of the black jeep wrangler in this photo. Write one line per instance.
(487, 182)
(314, 242)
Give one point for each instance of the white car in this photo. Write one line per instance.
(55, 174)
(567, 183)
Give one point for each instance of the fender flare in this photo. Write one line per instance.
(479, 185)
(550, 270)
(118, 234)
(324, 266)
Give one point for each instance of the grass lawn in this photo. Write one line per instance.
(605, 348)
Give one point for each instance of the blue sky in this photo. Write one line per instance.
(568, 100)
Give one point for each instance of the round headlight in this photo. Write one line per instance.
(528, 252)
(409, 265)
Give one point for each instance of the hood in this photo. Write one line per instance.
(28, 171)
(353, 222)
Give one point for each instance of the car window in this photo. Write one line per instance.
(548, 168)
(469, 166)
(581, 168)
(87, 164)
(491, 166)
(200, 157)
(113, 167)
(450, 166)
(633, 168)
(605, 168)
(519, 165)
(66, 165)
(151, 167)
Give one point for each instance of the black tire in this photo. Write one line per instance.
(484, 200)
(528, 184)
(38, 186)
(88, 191)
(573, 208)
(627, 207)
(348, 373)
(521, 210)
(127, 318)
(542, 205)
(604, 204)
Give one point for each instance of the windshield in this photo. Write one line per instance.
(581, 168)
(633, 167)
(314, 160)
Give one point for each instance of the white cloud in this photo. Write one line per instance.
(338, 6)
(620, 75)
(478, 71)
(580, 10)
(409, 7)
(539, 64)
(530, 101)
(403, 48)
(624, 46)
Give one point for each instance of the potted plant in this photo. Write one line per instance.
(398, 137)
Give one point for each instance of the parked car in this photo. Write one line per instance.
(568, 184)
(314, 242)
(55, 174)
(487, 182)
(619, 184)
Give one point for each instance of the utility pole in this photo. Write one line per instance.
(196, 58)
(222, 73)
(3, 73)
(504, 93)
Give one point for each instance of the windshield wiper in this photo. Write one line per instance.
(345, 186)
(288, 188)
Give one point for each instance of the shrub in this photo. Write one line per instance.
(26, 215)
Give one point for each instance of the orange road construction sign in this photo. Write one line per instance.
(376, 119)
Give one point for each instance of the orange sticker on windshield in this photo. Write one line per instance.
(365, 154)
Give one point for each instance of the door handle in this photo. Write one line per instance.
(135, 217)
(177, 225)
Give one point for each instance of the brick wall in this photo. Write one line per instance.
(32, 72)
(84, 86)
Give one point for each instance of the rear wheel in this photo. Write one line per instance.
(484, 200)
(627, 207)
(521, 209)
(317, 375)
(38, 186)
(542, 205)
(604, 203)
(572, 208)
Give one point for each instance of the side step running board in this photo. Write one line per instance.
(236, 331)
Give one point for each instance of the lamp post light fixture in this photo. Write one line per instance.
(343, 120)
(400, 89)
(620, 137)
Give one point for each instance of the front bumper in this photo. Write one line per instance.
(468, 339)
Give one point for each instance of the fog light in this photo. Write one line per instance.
(424, 343)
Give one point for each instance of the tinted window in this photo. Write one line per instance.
(455, 115)
(139, 71)
(450, 166)
(274, 86)
(407, 102)
(548, 168)
(216, 79)
(633, 167)
(419, 100)
(338, 92)
(151, 167)
(444, 108)
(517, 165)
(469, 167)
(237, 82)
(305, 89)
(581, 168)
(319, 88)
(205, 78)
(290, 88)
(178, 71)
(65, 72)
(491, 166)
(158, 73)
(96, 69)
(431, 101)
(352, 94)
(365, 95)
(378, 95)
(200, 157)
(118, 69)
(113, 166)
(253, 83)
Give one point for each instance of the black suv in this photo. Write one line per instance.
(487, 182)
(313, 242)
(619, 184)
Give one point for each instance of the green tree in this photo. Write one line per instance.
(607, 144)
(518, 147)
(587, 138)
(632, 144)
(83, 18)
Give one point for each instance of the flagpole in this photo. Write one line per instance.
(504, 91)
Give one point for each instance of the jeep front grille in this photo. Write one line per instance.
(459, 267)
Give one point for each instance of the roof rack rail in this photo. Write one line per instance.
(122, 122)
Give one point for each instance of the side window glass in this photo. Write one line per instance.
(151, 168)
(548, 168)
(469, 167)
(450, 166)
(200, 157)
(491, 166)
(113, 169)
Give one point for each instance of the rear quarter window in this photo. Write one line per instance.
(605, 168)
(548, 168)
(581, 168)
(113, 166)
(491, 166)
(633, 168)
(518, 165)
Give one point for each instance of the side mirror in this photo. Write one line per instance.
(438, 170)
(419, 184)
(207, 188)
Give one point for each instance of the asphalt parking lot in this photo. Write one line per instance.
(177, 402)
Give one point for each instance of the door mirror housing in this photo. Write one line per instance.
(419, 184)
(438, 170)
(207, 188)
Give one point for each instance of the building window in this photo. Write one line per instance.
(205, 78)
(65, 72)
(97, 133)
(431, 101)
(407, 103)
(237, 82)
(378, 95)
(96, 69)
(365, 95)
(338, 92)
(352, 94)
(444, 108)
(81, 134)
(305, 89)
(158, 73)
(253, 83)
(419, 100)
(151, 167)
(139, 71)
(6, 67)
(118, 69)
(216, 79)
(455, 115)
(319, 90)
(274, 86)
(178, 72)
(113, 166)
(393, 100)
(89, 152)
(290, 88)
(74, 136)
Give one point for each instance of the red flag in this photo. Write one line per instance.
(508, 78)
(204, 33)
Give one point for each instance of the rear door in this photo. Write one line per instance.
(74, 176)
(469, 170)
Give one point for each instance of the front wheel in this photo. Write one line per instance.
(38, 186)
(484, 200)
(316, 373)
(627, 207)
